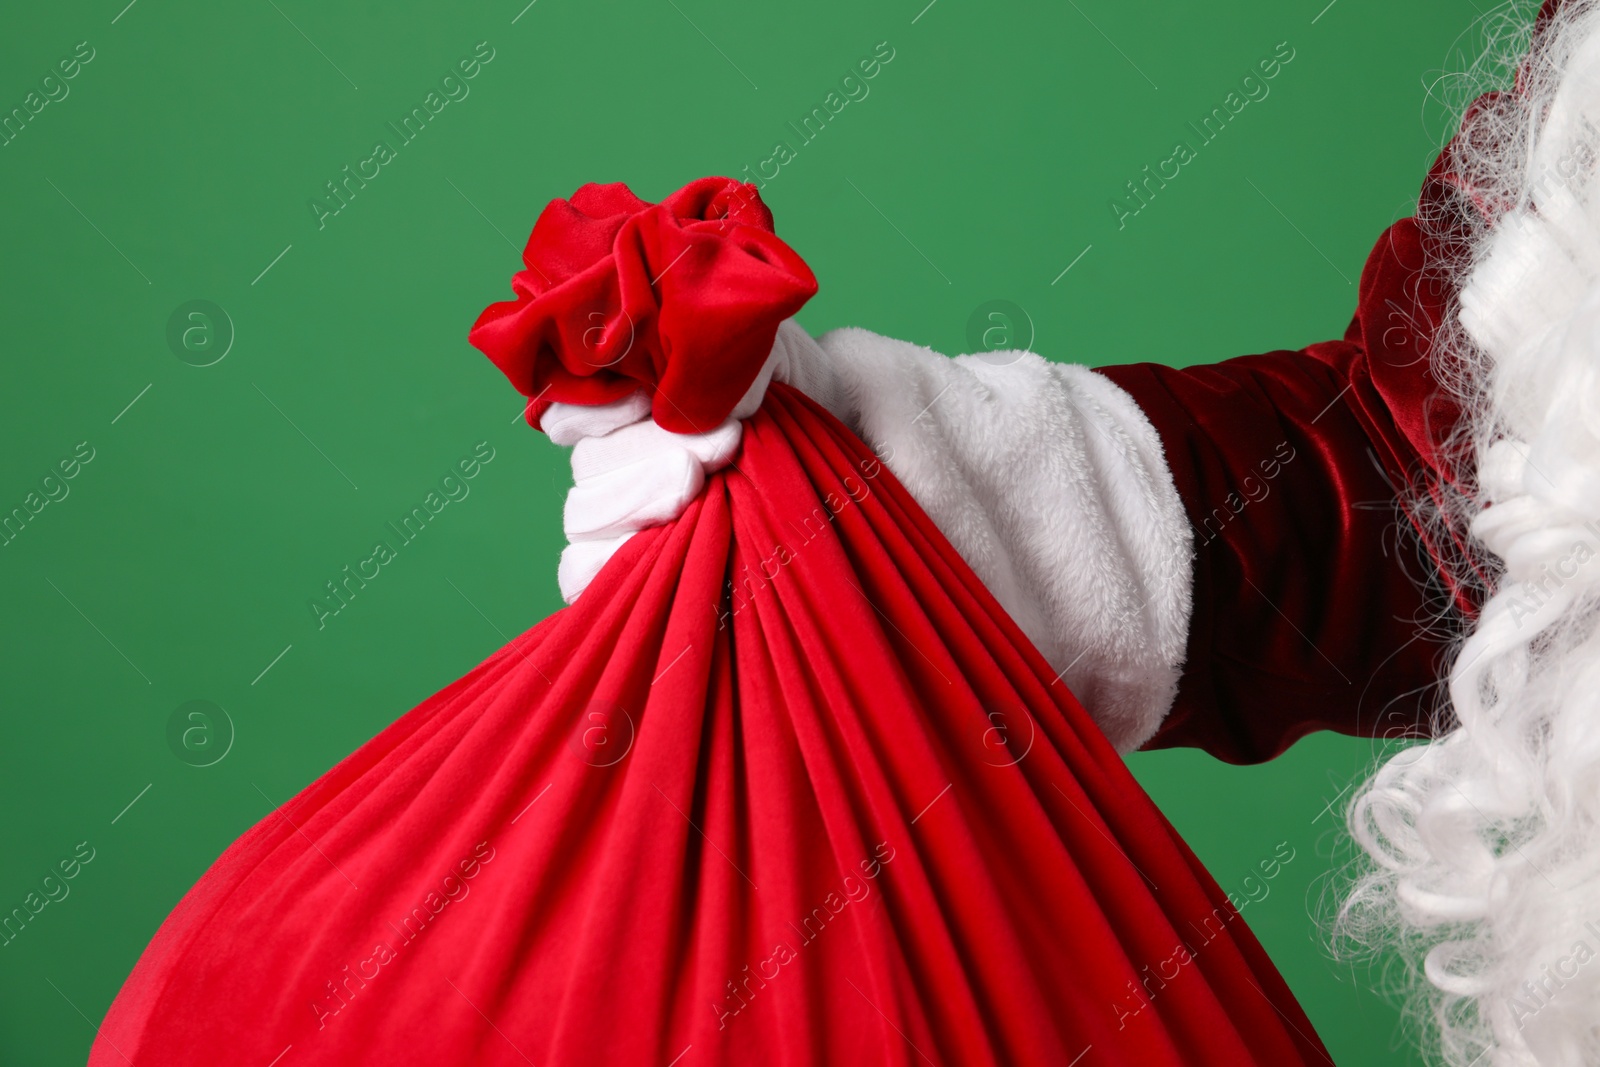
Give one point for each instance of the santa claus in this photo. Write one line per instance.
(746, 800)
(1211, 556)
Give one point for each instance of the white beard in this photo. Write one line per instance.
(1485, 843)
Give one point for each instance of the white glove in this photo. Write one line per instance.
(630, 474)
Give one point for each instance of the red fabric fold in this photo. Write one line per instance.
(681, 298)
(785, 786)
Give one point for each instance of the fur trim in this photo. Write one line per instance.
(1052, 485)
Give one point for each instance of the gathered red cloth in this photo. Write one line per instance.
(784, 786)
(683, 297)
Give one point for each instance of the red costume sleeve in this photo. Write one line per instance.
(1322, 598)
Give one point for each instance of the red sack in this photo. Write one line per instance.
(784, 786)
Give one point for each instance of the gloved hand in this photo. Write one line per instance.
(630, 474)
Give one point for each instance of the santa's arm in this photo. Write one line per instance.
(1211, 557)
(1051, 484)
(1225, 556)
(1221, 556)
(1218, 556)
(1315, 606)
(1325, 593)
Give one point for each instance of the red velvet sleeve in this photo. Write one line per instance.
(1324, 597)
(1321, 600)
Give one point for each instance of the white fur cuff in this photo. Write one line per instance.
(1053, 486)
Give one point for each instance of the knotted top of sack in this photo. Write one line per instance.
(681, 298)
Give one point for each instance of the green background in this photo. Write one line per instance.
(180, 167)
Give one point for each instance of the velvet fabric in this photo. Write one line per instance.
(1325, 596)
(682, 298)
(785, 786)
